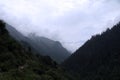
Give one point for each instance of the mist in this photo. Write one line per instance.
(72, 22)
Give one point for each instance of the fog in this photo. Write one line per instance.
(72, 22)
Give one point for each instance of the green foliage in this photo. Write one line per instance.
(18, 63)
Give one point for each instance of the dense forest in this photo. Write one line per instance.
(19, 63)
(98, 58)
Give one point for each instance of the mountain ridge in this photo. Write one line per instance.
(19, 63)
(99, 56)
(41, 45)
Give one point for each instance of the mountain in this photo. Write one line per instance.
(49, 47)
(98, 58)
(41, 45)
(19, 63)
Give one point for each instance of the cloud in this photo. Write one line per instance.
(71, 22)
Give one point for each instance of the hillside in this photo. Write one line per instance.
(41, 45)
(98, 58)
(19, 63)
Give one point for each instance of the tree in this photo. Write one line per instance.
(2, 28)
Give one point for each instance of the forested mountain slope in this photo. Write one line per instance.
(19, 63)
(99, 57)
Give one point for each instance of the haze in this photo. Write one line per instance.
(72, 22)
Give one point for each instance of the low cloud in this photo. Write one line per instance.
(71, 22)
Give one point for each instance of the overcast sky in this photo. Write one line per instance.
(71, 22)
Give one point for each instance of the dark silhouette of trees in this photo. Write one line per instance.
(2, 28)
(99, 56)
